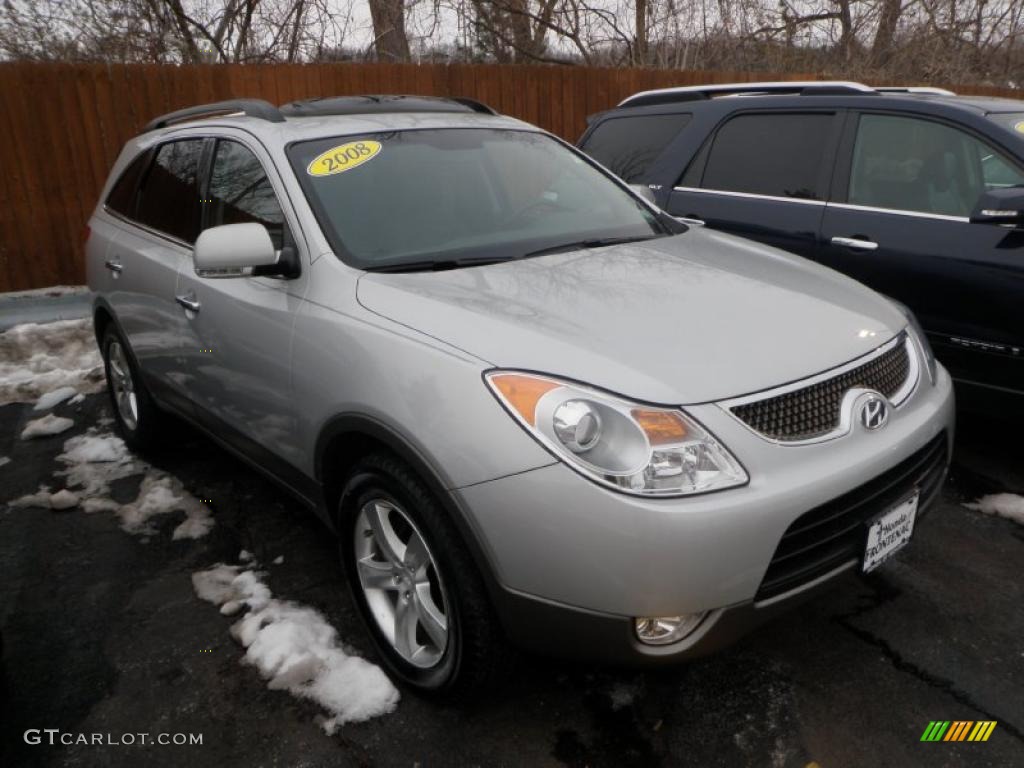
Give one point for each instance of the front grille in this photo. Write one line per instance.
(835, 533)
(813, 411)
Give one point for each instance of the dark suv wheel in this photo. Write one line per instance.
(415, 584)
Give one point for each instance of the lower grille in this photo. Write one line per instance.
(833, 534)
(813, 411)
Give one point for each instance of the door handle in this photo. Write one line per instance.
(692, 220)
(856, 243)
(188, 301)
(112, 265)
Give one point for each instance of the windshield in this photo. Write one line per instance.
(458, 194)
(1012, 120)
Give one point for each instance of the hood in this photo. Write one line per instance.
(678, 320)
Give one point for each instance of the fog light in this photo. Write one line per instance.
(667, 629)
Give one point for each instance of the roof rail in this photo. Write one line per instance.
(251, 107)
(914, 89)
(694, 92)
(361, 105)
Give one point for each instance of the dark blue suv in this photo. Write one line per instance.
(916, 192)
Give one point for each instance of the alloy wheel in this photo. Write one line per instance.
(123, 386)
(401, 583)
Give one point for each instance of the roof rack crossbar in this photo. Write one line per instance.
(250, 107)
(367, 104)
(691, 92)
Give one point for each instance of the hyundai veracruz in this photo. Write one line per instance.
(536, 410)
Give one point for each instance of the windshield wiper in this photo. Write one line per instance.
(433, 265)
(593, 243)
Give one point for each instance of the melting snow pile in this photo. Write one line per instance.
(36, 360)
(1008, 505)
(46, 426)
(296, 649)
(94, 461)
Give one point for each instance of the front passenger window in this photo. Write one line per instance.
(909, 164)
(240, 192)
(168, 200)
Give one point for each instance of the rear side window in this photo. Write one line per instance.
(169, 197)
(781, 155)
(122, 197)
(627, 146)
(240, 192)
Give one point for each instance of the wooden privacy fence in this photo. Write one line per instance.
(62, 126)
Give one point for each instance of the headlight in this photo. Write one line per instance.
(920, 340)
(628, 446)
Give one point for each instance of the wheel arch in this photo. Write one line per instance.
(348, 437)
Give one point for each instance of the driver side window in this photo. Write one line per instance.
(240, 192)
(910, 164)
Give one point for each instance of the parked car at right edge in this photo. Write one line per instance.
(916, 192)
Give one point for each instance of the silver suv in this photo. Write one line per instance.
(536, 409)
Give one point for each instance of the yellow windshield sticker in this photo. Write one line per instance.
(1019, 127)
(343, 157)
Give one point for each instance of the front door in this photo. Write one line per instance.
(901, 225)
(238, 341)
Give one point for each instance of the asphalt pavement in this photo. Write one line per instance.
(103, 634)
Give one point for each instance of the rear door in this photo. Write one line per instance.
(763, 175)
(237, 346)
(158, 221)
(905, 188)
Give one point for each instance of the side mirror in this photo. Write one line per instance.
(235, 250)
(645, 192)
(1001, 206)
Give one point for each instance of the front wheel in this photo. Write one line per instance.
(415, 584)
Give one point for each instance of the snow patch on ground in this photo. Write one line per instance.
(93, 461)
(1008, 505)
(46, 426)
(36, 359)
(53, 290)
(279, 560)
(57, 396)
(5, 460)
(296, 649)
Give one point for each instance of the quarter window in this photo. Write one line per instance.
(627, 146)
(781, 155)
(240, 192)
(123, 195)
(168, 200)
(908, 164)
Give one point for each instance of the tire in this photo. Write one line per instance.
(139, 421)
(475, 655)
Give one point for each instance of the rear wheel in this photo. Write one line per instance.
(415, 583)
(137, 417)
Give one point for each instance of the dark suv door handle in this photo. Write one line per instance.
(113, 266)
(858, 244)
(188, 301)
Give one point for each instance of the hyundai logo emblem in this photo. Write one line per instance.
(874, 413)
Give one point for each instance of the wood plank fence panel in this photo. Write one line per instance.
(63, 125)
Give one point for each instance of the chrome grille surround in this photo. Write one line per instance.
(820, 408)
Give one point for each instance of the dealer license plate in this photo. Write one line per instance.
(890, 533)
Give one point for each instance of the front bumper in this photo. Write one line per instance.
(575, 560)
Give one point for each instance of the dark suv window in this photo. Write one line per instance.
(240, 191)
(628, 145)
(778, 154)
(122, 197)
(909, 164)
(169, 198)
